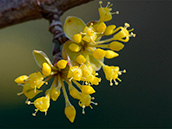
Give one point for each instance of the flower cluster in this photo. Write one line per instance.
(82, 56)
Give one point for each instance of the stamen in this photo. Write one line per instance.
(45, 113)
(119, 79)
(117, 12)
(83, 111)
(94, 103)
(111, 83)
(28, 102)
(124, 71)
(131, 30)
(19, 93)
(92, 98)
(126, 25)
(104, 41)
(100, 2)
(116, 83)
(34, 114)
(108, 4)
(132, 34)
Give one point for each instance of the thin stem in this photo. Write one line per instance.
(64, 92)
(104, 41)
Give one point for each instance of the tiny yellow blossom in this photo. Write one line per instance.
(85, 101)
(42, 103)
(111, 73)
(62, 64)
(105, 12)
(46, 69)
(36, 80)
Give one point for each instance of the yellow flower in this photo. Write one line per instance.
(42, 104)
(36, 80)
(75, 73)
(85, 101)
(111, 73)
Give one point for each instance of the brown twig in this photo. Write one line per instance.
(17, 11)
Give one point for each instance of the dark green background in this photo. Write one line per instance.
(143, 99)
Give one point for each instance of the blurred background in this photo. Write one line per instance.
(143, 99)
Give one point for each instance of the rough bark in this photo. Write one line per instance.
(17, 11)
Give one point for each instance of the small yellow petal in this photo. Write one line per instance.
(111, 54)
(61, 64)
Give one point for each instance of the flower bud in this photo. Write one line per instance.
(99, 53)
(46, 69)
(111, 54)
(87, 89)
(70, 113)
(21, 79)
(54, 94)
(80, 59)
(116, 46)
(74, 47)
(77, 38)
(61, 64)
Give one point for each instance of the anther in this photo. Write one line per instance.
(117, 12)
(132, 34)
(126, 25)
(92, 98)
(116, 83)
(28, 102)
(124, 71)
(100, 2)
(94, 103)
